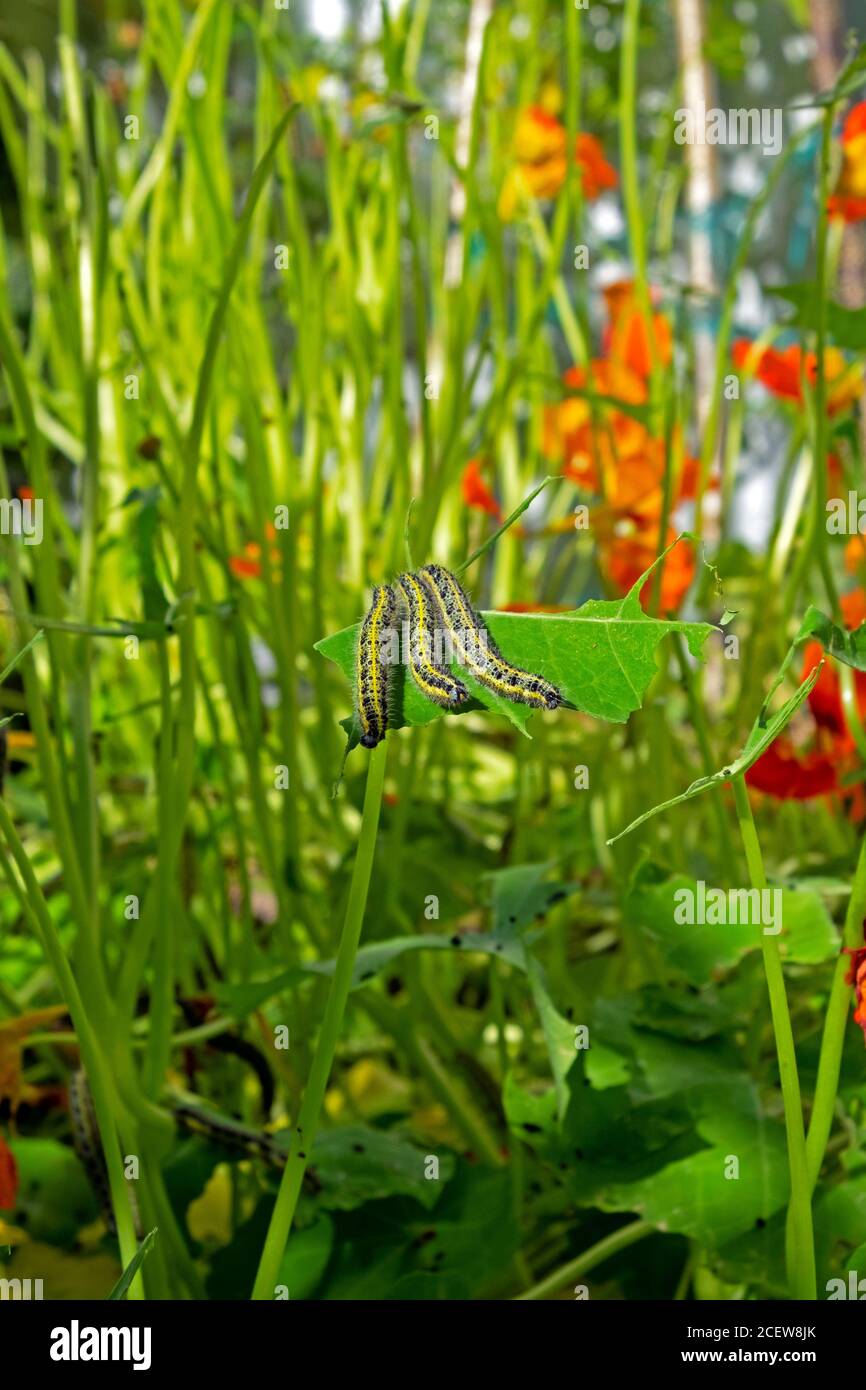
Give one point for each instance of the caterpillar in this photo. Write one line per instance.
(372, 666)
(87, 1143)
(434, 603)
(432, 678)
(476, 649)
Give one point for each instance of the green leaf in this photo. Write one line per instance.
(55, 1198)
(846, 646)
(601, 656)
(558, 1033)
(845, 327)
(508, 522)
(122, 1286)
(759, 740)
(370, 961)
(306, 1258)
(850, 80)
(520, 895)
(18, 657)
(699, 950)
(694, 1197)
(145, 532)
(356, 1164)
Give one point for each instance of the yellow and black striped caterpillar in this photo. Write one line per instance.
(440, 625)
(372, 684)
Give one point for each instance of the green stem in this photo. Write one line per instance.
(801, 1248)
(582, 1264)
(314, 1093)
(819, 452)
(835, 1023)
(631, 189)
(92, 1055)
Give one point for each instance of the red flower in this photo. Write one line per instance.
(825, 698)
(248, 565)
(8, 1177)
(782, 370)
(476, 493)
(781, 773)
(848, 199)
(857, 977)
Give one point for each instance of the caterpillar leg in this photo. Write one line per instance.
(475, 647)
(372, 666)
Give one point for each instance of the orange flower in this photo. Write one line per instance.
(476, 493)
(781, 371)
(541, 161)
(627, 340)
(855, 554)
(856, 976)
(248, 565)
(538, 136)
(624, 558)
(848, 199)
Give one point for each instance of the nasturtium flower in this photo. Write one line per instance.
(782, 371)
(248, 565)
(8, 1177)
(625, 555)
(476, 493)
(825, 697)
(848, 199)
(792, 775)
(609, 452)
(786, 775)
(856, 976)
(629, 340)
(540, 150)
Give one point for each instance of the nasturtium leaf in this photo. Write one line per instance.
(370, 961)
(846, 646)
(840, 1225)
(520, 895)
(694, 1197)
(763, 733)
(699, 949)
(55, 1198)
(602, 657)
(306, 1257)
(808, 935)
(356, 1164)
(559, 1038)
(531, 1114)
